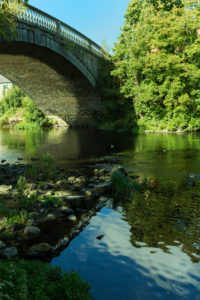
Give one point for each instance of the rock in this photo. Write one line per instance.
(5, 189)
(103, 199)
(33, 214)
(39, 250)
(50, 218)
(30, 222)
(57, 122)
(8, 252)
(3, 220)
(75, 201)
(2, 245)
(66, 210)
(31, 232)
(72, 218)
(103, 186)
(71, 179)
(88, 193)
(60, 183)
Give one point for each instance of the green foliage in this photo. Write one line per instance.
(32, 172)
(123, 187)
(49, 201)
(117, 112)
(23, 201)
(34, 280)
(48, 164)
(12, 99)
(157, 62)
(18, 217)
(16, 104)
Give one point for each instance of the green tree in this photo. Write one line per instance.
(9, 8)
(157, 61)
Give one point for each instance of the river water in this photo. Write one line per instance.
(150, 247)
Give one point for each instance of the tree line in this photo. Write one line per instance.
(156, 64)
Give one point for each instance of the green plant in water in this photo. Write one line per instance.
(123, 187)
(48, 164)
(48, 201)
(23, 201)
(32, 172)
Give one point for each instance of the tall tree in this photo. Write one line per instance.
(157, 61)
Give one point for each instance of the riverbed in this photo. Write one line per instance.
(144, 248)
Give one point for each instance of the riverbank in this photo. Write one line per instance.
(38, 199)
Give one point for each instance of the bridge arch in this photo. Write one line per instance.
(55, 65)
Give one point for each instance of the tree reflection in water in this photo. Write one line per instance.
(166, 214)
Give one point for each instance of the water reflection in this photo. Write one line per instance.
(70, 146)
(150, 248)
(117, 270)
(166, 214)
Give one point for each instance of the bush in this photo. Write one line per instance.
(34, 280)
(48, 164)
(123, 187)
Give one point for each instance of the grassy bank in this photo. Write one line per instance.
(19, 111)
(34, 280)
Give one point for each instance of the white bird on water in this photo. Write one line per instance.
(112, 146)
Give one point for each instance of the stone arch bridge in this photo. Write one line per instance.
(55, 65)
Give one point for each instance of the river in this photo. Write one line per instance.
(150, 245)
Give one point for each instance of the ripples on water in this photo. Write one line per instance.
(151, 244)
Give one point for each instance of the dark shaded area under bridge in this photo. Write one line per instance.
(51, 81)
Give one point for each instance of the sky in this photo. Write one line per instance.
(97, 19)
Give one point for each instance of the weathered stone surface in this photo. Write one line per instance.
(2, 245)
(72, 218)
(8, 252)
(39, 250)
(50, 218)
(102, 186)
(31, 232)
(66, 210)
(58, 122)
(5, 189)
(75, 201)
(56, 85)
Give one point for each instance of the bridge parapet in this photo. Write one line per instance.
(34, 16)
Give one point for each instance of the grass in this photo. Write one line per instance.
(34, 280)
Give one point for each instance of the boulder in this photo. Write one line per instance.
(8, 252)
(31, 232)
(39, 250)
(72, 218)
(66, 210)
(5, 189)
(2, 245)
(50, 218)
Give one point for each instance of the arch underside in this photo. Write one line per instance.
(53, 82)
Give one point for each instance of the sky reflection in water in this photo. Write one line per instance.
(117, 270)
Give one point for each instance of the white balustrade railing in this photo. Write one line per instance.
(37, 17)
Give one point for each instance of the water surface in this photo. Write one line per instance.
(151, 244)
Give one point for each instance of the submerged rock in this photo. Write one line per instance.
(2, 245)
(39, 250)
(31, 232)
(72, 218)
(9, 252)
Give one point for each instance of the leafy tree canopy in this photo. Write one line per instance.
(157, 62)
(8, 8)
